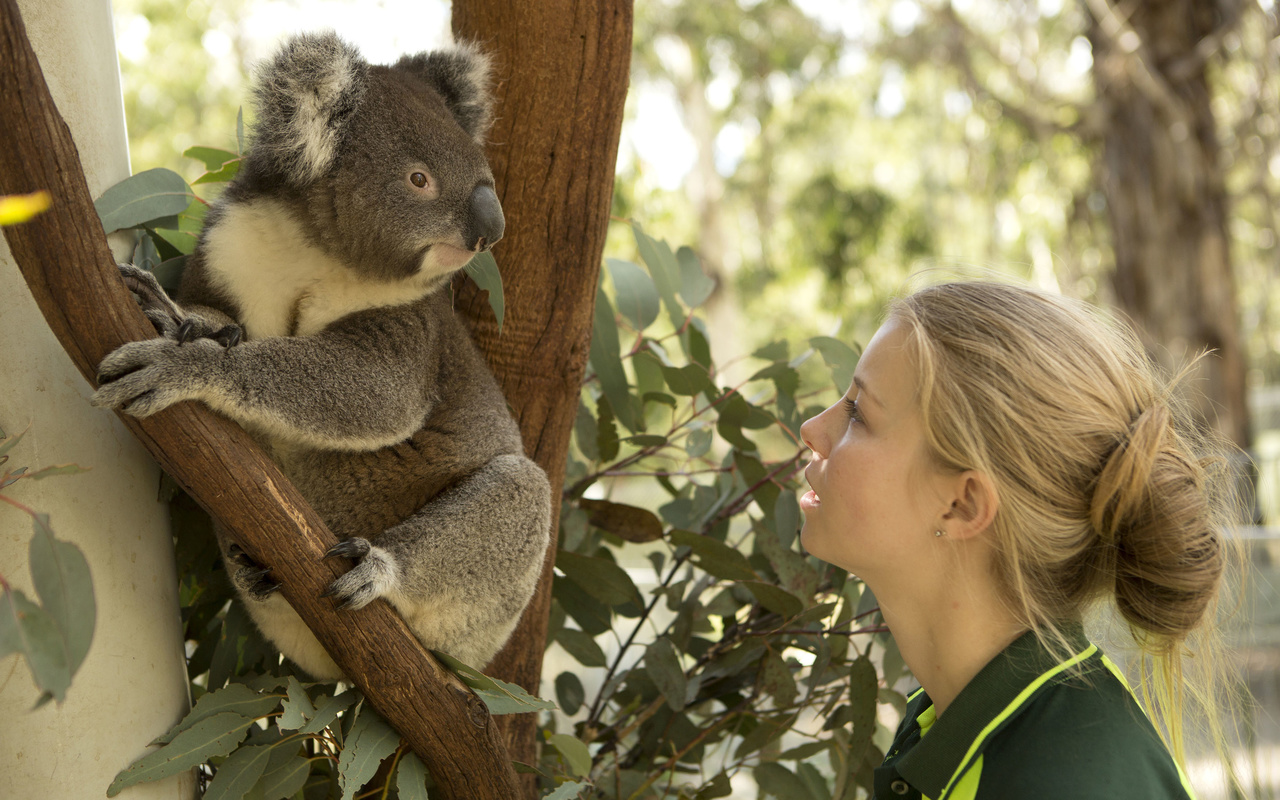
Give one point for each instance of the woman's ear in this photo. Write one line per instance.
(974, 503)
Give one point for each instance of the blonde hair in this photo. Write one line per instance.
(1107, 491)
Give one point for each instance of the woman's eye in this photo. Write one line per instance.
(851, 408)
(418, 179)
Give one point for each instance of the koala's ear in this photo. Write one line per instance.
(461, 76)
(305, 96)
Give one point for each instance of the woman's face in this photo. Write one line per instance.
(876, 498)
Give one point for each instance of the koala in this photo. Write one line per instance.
(315, 312)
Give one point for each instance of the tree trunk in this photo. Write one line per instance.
(64, 258)
(1162, 177)
(562, 70)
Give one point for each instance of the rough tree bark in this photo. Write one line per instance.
(64, 258)
(562, 69)
(1161, 173)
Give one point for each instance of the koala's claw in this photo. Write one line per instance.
(255, 578)
(373, 577)
(355, 547)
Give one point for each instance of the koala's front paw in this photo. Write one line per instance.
(142, 378)
(249, 576)
(374, 576)
(169, 319)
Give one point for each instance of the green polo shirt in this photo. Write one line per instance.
(1036, 727)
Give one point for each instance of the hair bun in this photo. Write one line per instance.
(1151, 509)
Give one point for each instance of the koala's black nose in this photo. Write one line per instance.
(487, 223)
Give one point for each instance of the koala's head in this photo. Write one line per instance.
(383, 164)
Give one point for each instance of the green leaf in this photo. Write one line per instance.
(145, 197)
(634, 290)
(49, 472)
(567, 791)
(634, 524)
(719, 786)
(223, 174)
(840, 358)
(775, 598)
(297, 707)
(240, 130)
(776, 679)
(777, 781)
(328, 709)
(786, 518)
(689, 380)
(662, 663)
(591, 615)
(575, 753)
(582, 647)
(584, 433)
(411, 778)
(863, 691)
(8, 444)
(607, 363)
(713, 556)
(501, 697)
(807, 750)
(606, 431)
(773, 351)
(371, 740)
(61, 577)
(766, 731)
(239, 773)
(695, 286)
(213, 736)
(235, 698)
(662, 265)
(285, 775)
(28, 629)
(211, 157)
(483, 269)
(598, 577)
(569, 692)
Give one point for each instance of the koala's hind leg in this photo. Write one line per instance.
(462, 569)
(273, 615)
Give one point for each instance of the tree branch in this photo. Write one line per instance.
(64, 258)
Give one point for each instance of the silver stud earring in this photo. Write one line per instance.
(939, 534)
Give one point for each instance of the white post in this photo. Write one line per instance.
(132, 686)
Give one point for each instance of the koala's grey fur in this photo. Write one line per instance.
(331, 263)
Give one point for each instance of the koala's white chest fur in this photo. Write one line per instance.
(283, 284)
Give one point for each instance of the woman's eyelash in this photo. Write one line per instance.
(851, 408)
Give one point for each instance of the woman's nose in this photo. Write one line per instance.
(809, 434)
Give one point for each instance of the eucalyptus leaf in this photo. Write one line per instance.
(775, 598)
(695, 286)
(863, 693)
(213, 158)
(840, 357)
(776, 679)
(635, 293)
(570, 692)
(61, 577)
(285, 775)
(212, 736)
(591, 615)
(634, 524)
(234, 698)
(297, 707)
(29, 629)
(575, 753)
(714, 557)
(779, 782)
(483, 269)
(663, 665)
(328, 709)
(689, 380)
(567, 791)
(582, 647)
(665, 270)
(370, 741)
(143, 198)
(411, 778)
(239, 773)
(607, 363)
(500, 697)
(599, 577)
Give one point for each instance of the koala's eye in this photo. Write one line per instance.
(418, 179)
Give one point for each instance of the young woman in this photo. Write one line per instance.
(1004, 461)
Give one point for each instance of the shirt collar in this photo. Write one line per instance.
(992, 697)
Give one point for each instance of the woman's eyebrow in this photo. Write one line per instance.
(862, 389)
